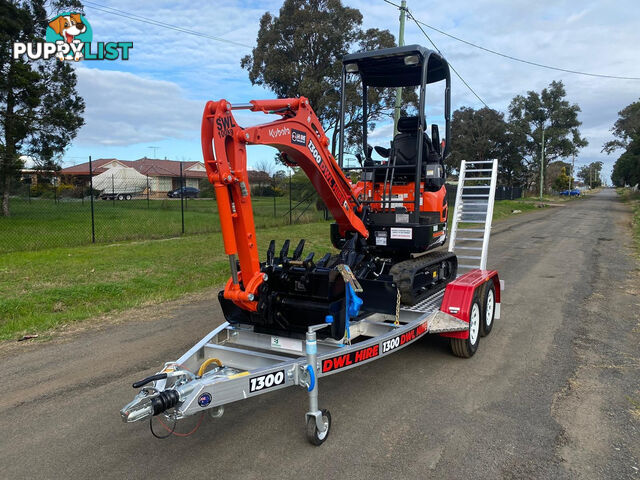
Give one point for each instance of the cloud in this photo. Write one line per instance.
(126, 109)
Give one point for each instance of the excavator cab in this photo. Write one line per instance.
(404, 196)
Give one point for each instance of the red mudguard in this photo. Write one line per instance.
(458, 295)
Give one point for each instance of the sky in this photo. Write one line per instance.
(156, 98)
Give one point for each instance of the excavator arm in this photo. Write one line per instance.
(300, 138)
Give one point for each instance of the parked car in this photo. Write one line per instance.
(570, 193)
(187, 192)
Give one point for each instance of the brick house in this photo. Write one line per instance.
(164, 175)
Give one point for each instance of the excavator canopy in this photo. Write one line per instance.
(397, 66)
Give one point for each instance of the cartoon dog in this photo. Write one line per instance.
(68, 26)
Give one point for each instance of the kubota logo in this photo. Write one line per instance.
(69, 37)
(279, 132)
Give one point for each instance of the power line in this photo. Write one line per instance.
(452, 68)
(516, 59)
(139, 18)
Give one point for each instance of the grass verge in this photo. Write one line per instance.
(45, 289)
(633, 198)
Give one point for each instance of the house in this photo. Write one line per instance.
(163, 175)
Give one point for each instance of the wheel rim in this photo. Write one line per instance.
(490, 305)
(474, 323)
(322, 435)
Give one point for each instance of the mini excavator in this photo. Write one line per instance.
(387, 223)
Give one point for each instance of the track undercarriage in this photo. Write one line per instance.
(298, 292)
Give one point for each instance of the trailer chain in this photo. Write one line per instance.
(397, 321)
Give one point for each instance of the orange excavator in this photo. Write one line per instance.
(387, 223)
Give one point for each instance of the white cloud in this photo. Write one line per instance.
(125, 109)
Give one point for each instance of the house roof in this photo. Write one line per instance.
(147, 166)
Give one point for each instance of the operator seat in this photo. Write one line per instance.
(405, 152)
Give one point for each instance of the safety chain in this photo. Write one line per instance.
(397, 322)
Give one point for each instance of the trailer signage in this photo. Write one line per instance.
(404, 338)
(266, 381)
(341, 361)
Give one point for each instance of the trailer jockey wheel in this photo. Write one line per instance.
(313, 435)
(466, 347)
(489, 310)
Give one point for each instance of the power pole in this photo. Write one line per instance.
(396, 113)
(542, 164)
(573, 163)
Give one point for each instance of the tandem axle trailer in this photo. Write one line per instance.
(233, 362)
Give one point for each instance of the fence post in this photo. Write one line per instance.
(113, 191)
(182, 197)
(93, 224)
(290, 215)
(147, 192)
(274, 203)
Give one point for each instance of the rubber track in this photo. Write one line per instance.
(404, 272)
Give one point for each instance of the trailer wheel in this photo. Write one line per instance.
(313, 435)
(489, 310)
(128, 197)
(466, 347)
(120, 197)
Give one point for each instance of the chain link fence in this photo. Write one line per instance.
(118, 205)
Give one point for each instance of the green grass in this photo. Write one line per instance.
(633, 198)
(44, 223)
(41, 290)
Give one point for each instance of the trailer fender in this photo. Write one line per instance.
(459, 294)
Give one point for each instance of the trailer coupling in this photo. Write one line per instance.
(154, 400)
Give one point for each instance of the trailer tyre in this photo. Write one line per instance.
(313, 435)
(128, 197)
(466, 347)
(120, 197)
(489, 310)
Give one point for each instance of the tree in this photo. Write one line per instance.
(476, 135)
(626, 129)
(550, 112)
(626, 170)
(299, 52)
(590, 174)
(562, 181)
(40, 109)
(484, 135)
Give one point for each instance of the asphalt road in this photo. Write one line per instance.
(553, 392)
